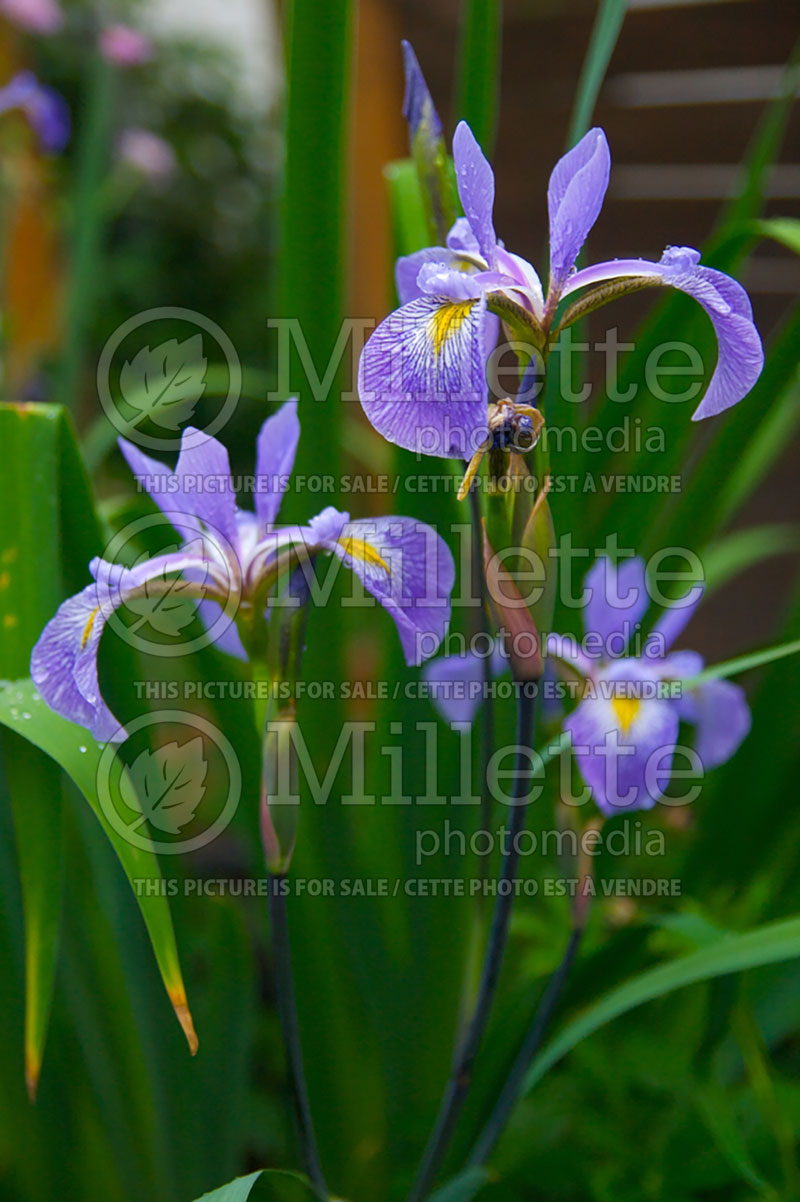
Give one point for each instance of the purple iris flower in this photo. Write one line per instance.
(422, 375)
(625, 729)
(45, 109)
(229, 557)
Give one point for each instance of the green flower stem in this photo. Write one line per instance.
(290, 1028)
(467, 1048)
(530, 1046)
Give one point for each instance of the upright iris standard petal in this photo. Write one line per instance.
(740, 353)
(409, 569)
(624, 741)
(276, 447)
(475, 189)
(575, 197)
(64, 660)
(422, 376)
(617, 601)
(720, 712)
(204, 472)
(673, 621)
(162, 484)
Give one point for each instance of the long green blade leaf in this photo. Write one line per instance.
(744, 663)
(479, 68)
(607, 26)
(74, 749)
(768, 944)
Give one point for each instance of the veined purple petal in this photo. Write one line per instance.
(64, 666)
(204, 472)
(618, 600)
(475, 188)
(64, 660)
(422, 376)
(275, 451)
(575, 197)
(624, 741)
(409, 569)
(721, 714)
(407, 268)
(418, 103)
(741, 355)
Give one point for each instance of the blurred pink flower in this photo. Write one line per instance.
(147, 152)
(124, 46)
(37, 16)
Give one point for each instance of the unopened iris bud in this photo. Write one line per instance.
(428, 149)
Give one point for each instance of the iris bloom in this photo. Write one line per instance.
(422, 376)
(230, 557)
(45, 109)
(625, 730)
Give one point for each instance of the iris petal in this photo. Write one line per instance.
(276, 447)
(618, 600)
(741, 355)
(575, 197)
(422, 376)
(64, 660)
(475, 189)
(624, 744)
(409, 569)
(721, 714)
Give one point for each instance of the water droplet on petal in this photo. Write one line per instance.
(82, 749)
(25, 714)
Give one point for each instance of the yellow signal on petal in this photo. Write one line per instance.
(446, 321)
(87, 630)
(626, 709)
(358, 549)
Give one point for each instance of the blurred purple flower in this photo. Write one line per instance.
(124, 46)
(230, 556)
(46, 109)
(624, 731)
(37, 16)
(147, 152)
(422, 375)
